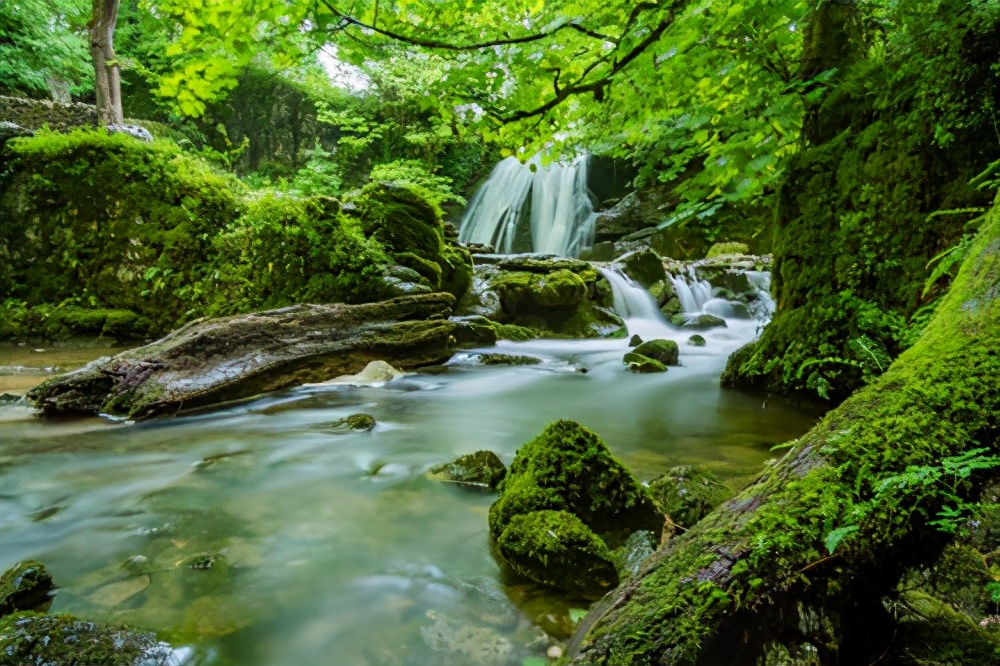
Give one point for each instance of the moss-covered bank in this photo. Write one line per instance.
(104, 235)
(809, 551)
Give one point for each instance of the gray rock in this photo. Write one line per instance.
(134, 131)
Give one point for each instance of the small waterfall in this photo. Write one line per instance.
(559, 219)
(692, 292)
(763, 308)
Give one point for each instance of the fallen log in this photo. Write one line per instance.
(211, 361)
(804, 556)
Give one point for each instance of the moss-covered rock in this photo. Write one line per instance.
(564, 298)
(688, 493)
(641, 364)
(25, 586)
(508, 359)
(482, 469)
(354, 422)
(411, 228)
(568, 469)
(634, 341)
(557, 549)
(30, 638)
(697, 341)
(698, 322)
(664, 351)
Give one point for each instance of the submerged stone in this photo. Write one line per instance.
(482, 469)
(697, 321)
(688, 493)
(63, 640)
(25, 586)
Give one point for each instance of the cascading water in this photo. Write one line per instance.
(692, 292)
(558, 219)
(635, 305)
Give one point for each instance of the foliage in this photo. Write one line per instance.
(437, 189)
(42, 47)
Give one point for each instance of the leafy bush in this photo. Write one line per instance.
(415, 173)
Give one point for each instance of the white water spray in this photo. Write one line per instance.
(692, 292)
(559, 219)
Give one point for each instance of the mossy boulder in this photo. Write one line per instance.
(30, 638)
(664, 351)
(634, 341)
(563, 298)
(698, 322)
(688, 493)
(555, 548)
(411, 228)
(482, 469)
(568, 469)
(25, 586)
(643, 365)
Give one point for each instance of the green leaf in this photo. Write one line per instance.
(834, 538)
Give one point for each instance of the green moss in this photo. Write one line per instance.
(513, 332)
(483, 469)
(641, 364)
(522, 292)
(569, 468)
(696, 341)
(508, 359)
(62, 639)
(644, 267)
(766, 547)
(356, 422)
(698, 322)
(688, 493)
(557, 549)
(664, 351)
(720, 249)
(25, 586)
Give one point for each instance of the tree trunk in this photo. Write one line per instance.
(758, 571)
(107, 74)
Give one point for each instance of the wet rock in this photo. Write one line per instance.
(643, 266)
(664, 351)
(30, 638)
(557, 549)
(354, 422)
(698, 322)
(212, 361)
(205, 561)
(119, 591)
(643, 365)
(25, 586)
(508, 359)
(696, 341)
(9, 399)
(374, 374)
(688, 493)
(482, 469)
(630, 557)
(573, 501)
(554, 297)
(474, 331)
(634, 341)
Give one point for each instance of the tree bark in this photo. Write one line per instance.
(758, 571)
(107, 73)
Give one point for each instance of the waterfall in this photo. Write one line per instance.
(692, 292)
(558, 219)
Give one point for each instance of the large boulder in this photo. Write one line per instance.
(412, 229)
(568, 471)
(643, 266)
(218, 360)
(562, 298)
(664, 351)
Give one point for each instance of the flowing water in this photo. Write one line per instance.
(533, 208)
(310, 547)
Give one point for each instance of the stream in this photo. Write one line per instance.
(257, 537)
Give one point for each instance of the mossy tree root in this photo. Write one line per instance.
(867, 483)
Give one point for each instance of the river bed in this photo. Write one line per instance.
(258, 537)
